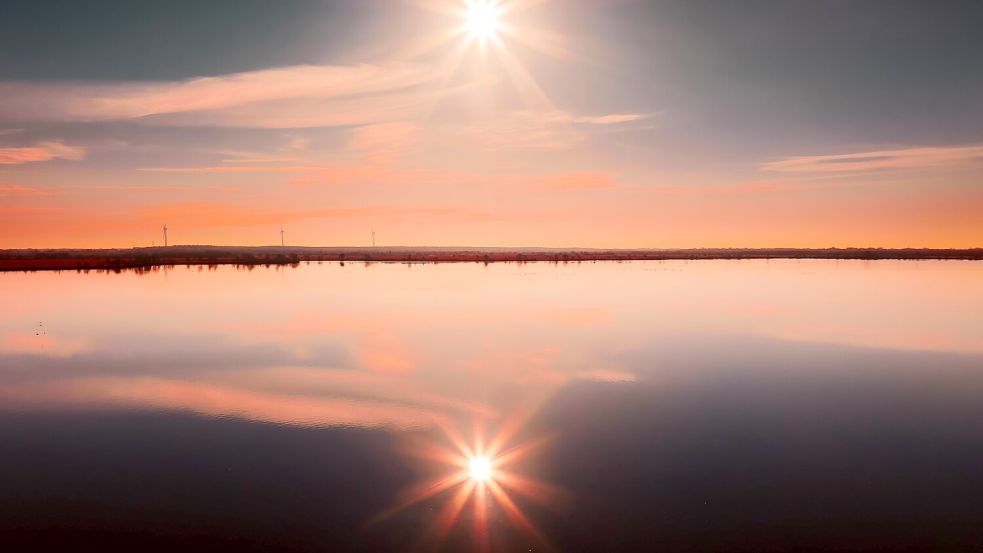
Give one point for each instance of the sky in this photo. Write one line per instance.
(559, 123)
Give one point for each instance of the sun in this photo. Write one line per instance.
(480, 478)
(481, 18)
(482, 33)
(479, 468)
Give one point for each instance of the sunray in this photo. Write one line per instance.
(448, 69)
(435, 452)
(515, 453)
(509, 5)
(450, 513)
(481, 536)
(540, 492)
(456, 440)
(514, 422)
(540, 40)
(513, 512)
(483, 474)
(428, 44)
(524, 83)
(421, 493)
(479, 440)
(531, 93)
(437, 6)
(434, 487)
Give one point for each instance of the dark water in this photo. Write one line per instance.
(670, 406)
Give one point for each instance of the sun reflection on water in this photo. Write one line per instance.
(480, 468)
(479, 481)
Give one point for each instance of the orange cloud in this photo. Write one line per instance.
(741, 188)
(263, 160)
(575, 181)
(43, 151)
(753, 186)
(377, 386)
(386, 356)
(13, 189)
(219, 400)
(231, 169)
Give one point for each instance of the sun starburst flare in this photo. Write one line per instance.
(480, 27)
(482, 477)
(482, 19)
(480, 468)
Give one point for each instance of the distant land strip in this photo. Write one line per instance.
(78, 259)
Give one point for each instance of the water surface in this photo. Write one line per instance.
(708, 405)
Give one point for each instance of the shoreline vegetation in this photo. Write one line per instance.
(143, 258)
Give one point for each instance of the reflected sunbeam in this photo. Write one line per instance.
(481, 482)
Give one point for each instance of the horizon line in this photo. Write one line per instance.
(500, 248)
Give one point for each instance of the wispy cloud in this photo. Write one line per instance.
(295, 143)
(130, 187)
(262, 160)
(753, 187)
(612, 119)
(222, 400)
(526, 130)
(43, 151)
(294, 96)
(539, 130)
(575, 181)
(231, 169)
(13, 189)
(905, 158)
(384, 142)
(744, 187)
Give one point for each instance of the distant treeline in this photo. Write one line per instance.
(62, 259)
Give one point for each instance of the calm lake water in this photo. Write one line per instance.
(672, 406)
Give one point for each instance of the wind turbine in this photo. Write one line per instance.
(165, 235)
(281, 236)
